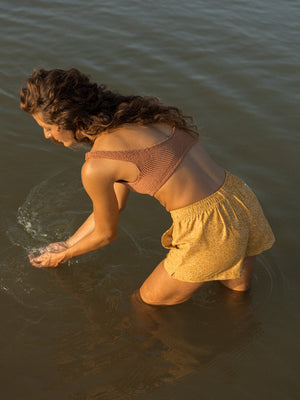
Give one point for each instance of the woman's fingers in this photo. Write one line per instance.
(31, 257)
(45, 260)
(36, 261)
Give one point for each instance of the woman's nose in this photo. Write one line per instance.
(47, 135)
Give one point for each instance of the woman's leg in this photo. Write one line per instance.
(244, 282)
(162, 289)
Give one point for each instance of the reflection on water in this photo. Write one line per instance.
(154, 345)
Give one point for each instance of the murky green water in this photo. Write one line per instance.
(72, 333)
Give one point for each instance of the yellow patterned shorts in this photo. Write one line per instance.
(209, 239)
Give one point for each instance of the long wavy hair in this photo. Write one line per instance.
(69, 99)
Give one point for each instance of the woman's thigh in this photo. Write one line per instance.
(162, 289)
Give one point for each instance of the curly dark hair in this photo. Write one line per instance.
(69, 99)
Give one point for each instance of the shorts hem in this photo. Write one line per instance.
(257, 252)
(205, 279)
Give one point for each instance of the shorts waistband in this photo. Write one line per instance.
(209, 202)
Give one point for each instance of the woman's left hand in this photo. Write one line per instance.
(48, 259)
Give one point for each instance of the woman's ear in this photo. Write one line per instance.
(78, 135)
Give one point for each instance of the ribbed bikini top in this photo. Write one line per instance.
(156, 163)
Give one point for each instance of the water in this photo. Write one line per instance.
(71, 333)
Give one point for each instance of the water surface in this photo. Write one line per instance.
(72, 333)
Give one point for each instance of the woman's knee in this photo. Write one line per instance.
(162, 289)
(153, 299)
(150, 298)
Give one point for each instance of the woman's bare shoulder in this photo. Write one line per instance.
(98, 170)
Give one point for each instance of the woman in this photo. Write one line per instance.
(139, 144)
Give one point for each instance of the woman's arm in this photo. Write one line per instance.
(88, 226)
(100, 228)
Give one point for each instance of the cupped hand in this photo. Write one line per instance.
(49, 259)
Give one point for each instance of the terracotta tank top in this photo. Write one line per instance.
(156, 163)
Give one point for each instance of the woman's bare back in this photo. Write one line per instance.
(196, 177)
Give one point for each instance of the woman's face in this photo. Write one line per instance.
(57, 134)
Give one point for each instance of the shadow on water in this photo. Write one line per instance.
(97, 342)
